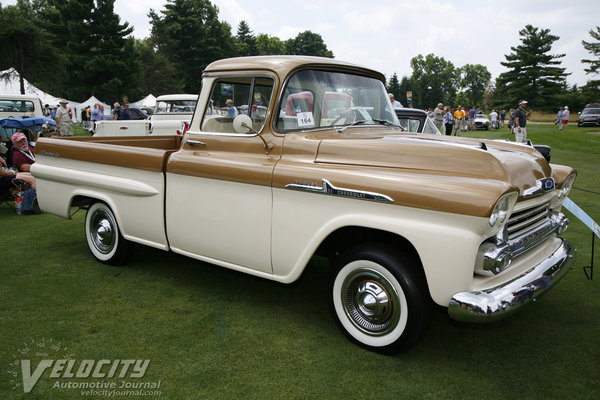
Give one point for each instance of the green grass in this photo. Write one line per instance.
(211, 333)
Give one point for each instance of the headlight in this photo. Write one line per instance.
(563, 192)
(501, 212)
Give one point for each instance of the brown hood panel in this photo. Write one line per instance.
(515, 164)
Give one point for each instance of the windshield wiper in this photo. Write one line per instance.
(360, 121)
(383, 122)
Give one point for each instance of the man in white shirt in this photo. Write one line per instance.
(395, 104)
(494, 117)
(63, 119)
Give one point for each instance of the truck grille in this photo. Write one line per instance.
(528, 219)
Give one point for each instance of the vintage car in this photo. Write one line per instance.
(482, 121)
(18, 105)
(415, 120)
(172, 115)
(407, 219)
(590, 116)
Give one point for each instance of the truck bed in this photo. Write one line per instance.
(145, 152)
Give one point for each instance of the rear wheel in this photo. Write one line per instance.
(380, 298)
(104, 237)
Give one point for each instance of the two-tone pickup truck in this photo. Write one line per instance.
(172, 115)
(407, 219)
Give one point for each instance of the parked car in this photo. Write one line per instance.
(137, 113)
(590, 116)
(416, 121)
(171, 116)
(481, 121)
(18, 105)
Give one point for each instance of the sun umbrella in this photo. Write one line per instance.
(26, 122)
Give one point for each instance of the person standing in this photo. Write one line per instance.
(564, 120)
(438, 116)
(448, 120)
(459, 120)
(503, 117)
(521, 122)
(115, 111)
(64, 120)
(472, 113)
(494, 117)
(395, 103)
(558, 120)
(125, 113)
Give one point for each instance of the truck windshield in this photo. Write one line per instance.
(316, 99)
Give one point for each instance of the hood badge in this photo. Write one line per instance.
(327, 188)
(541, 186)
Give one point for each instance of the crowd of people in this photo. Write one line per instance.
(451, 121)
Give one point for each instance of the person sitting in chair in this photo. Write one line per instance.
(22, 156)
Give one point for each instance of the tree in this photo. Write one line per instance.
(159, 74)
(245, 43)
(189, 33)
(474, 79)
(267, 45)
(309, 44)
(433, 80)
(393, 86)
(592, 88)
(24, 46)
(99, 58)
(593, 48)
(533, 74)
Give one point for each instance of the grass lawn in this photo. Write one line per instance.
(211, 333)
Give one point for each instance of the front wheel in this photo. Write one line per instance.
(104, 237)
(380, 298)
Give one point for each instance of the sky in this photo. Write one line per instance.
(384, 35)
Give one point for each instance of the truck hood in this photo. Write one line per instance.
(516, 164)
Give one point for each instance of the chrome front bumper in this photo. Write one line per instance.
(500, 301)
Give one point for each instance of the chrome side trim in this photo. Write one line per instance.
(500, 301)
(328, 188)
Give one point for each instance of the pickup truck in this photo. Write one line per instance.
(172, 115)
(407, 220)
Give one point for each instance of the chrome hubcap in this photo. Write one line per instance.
(371, 302)
(102, 232)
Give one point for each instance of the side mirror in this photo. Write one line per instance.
(241, 123)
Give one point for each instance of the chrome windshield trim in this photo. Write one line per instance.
(329, 189)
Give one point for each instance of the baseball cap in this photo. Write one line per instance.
(523, 102)
(18, 136)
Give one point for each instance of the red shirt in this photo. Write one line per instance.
(19, 158)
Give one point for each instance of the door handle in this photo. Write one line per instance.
(195, 142)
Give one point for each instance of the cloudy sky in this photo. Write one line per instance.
(385, 35)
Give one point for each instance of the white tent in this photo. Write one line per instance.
(148, 102)
(90, 102)
(10, 84)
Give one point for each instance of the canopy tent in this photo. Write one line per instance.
(90, 102)
(10, 84)
(147, 102)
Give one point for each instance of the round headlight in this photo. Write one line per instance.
(563, 192)
(501, 210)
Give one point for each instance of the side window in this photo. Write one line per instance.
(233, 96)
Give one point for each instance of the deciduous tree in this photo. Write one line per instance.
(309, 44)
(189, 33)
